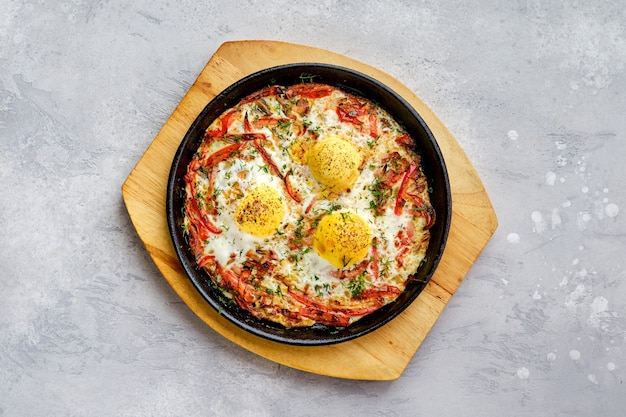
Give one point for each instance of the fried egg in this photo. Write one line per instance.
(343, 239)
(260, 212)
(335, 162)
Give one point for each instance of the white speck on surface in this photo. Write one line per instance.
(505, 281)
(556, 219)
(561, 161)
(581, 248)
(575, 261)
(592, 378)
(562, 179)
(550, 178)
(610, 366)
(513, 135)
(551, 356)
(583, 218)
(513, 238)
(536, 295)
(564, 281)
(574, 355)
(611, 210)
(566, 204)
(605, 190)
(560, 145)
(599, 316)
(574, 297)
(599, 304)
(540, 223)
(523, 373)
(605, 200)
(584, 189)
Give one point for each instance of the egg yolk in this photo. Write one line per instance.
(335, 162)
(343, 239)
(260, 212)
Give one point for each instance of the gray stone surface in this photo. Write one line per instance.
(534, 91)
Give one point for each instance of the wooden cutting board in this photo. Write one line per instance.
(380, 355)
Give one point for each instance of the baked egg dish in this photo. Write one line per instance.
(307, 204)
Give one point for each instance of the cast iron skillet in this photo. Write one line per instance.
(352, 82)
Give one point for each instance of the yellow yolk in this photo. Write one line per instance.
(343, 239)
(260, 212)
(335, 162)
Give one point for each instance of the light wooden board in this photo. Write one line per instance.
(380, 355)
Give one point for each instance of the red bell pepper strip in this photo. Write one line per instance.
(325, 317)
(423, 209)
(266, 92)
(199, 221)
(380, 292)
(267, 158)
(267, 121)
(312, 90)
(292, 193)
(243, 137)
(338, 312)
(405, 140)
(270, 163)
(403, 186)
(373, 122)
(226, 121)
(375, 264)
(244, 292)
(205, 260)
(246, 124)
(222, 154)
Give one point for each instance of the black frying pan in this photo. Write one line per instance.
(353, 82)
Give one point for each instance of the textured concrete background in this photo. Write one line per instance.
(534, 91)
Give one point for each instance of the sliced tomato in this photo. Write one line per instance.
(350, 109)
